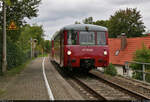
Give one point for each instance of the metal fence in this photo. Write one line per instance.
(143, 70)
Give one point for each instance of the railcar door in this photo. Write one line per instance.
(61, 49)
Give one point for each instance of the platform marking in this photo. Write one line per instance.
(51, 97)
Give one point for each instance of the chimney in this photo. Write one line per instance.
(123, 41)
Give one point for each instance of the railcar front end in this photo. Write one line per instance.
(82, 46)
(86, 49)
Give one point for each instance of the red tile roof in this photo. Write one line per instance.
(127, 54)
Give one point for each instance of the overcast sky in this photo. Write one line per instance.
(54, 14)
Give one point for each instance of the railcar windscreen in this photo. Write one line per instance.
(101, 38)
(72, 37)
(86, 38)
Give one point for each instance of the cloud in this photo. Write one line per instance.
(127, 2)
(54, 14)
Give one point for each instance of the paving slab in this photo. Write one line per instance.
(28, 85)
(59, 86)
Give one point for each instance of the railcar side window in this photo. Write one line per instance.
(86, 38)
(101, 38)
(72, 37)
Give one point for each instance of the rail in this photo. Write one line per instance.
(143, 71)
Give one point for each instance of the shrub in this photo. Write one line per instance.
(141, 55)
(15, 56)
(147, 77)
(111, 70)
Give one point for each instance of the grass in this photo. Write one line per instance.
(17, 70)
(2, 92)
(13, 72)
(45, 55)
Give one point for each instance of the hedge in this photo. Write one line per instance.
(15, 56)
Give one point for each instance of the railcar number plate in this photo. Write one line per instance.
(90, 50)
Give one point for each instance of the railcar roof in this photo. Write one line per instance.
(83, 27)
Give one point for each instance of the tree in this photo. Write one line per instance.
(128, 21)
(76, 22)
(141, 55)
(88, 20)
(47, 46)
(28, 32)
(104, 23)
(17, 11)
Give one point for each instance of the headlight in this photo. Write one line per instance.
(105, 52)
(68, 52)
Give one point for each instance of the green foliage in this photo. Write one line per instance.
(47, 46)
(141, 55)
(88, 20)
(7, 2)
(17, 69)
(15, 55)
(110, 70)
(18, 41)
(28, 32)
(104, 23)
(43, 55)
(147, 77)
(0, 53)
(19, 52)
(2, 91)
(128, 21)
(76, 22)
(17, 11)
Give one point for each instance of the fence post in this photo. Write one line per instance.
(143, 72)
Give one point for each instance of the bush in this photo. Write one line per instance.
(147, 77)
(0, 57)
(15, 56)
(111, 70)
(141, 55)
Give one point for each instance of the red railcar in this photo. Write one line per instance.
(81, 46)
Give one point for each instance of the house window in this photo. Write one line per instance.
(117, 52)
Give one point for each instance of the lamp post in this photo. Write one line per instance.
(34, 45)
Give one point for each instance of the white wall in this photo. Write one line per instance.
(120, 71)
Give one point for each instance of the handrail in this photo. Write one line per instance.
(137, 62)
(143, 68)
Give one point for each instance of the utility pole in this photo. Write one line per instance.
(31, 48)
(4, 60)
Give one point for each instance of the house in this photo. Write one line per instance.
(122, 49)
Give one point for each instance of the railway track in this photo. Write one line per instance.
(95, 88)
(83, 90)
(104, 90)
(139, 84)
(90, 92)
(133, 89)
